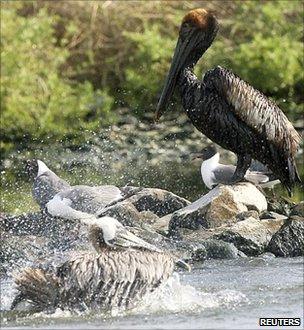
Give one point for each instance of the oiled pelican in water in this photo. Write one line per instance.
(213, 172)
(228, 110)
(81, 197)
(123, 270)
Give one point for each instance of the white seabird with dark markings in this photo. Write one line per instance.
(121, 272)
(228, 110)
(84, 198)
(214, 173)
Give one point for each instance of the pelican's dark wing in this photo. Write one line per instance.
(254, 109)
(254, 124)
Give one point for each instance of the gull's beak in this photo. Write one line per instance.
(195, 156)
(180, 59)
(182, 264)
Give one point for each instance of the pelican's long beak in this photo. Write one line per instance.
(126, 239)
(180, 59)
(182, 264)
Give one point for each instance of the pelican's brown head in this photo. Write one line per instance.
(200, 18)
(197, 31)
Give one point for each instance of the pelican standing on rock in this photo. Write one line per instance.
(228, 110)
(124, 269)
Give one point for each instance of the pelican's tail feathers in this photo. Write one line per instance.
(36, 288)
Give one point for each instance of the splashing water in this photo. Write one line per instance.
(174, 296)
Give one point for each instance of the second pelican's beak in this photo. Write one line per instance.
(182, 264)
(126, 239)
(182, 56)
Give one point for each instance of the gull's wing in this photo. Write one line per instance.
(91, 199)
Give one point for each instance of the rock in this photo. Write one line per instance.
(19, 251)
(272, 215)
(218, 207)
(251, 236)
(149, 217)
(187, 250)
(126, 213)
(216, 249)
(37, 223)
(289, 240)
(247, 214)
(59, 234)
(280, 205)
(158, 201)
(298, 209)
(142, 206)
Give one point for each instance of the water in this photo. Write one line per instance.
(219, 294)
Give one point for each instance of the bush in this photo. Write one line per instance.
(65, 65)
(267, 51)
(36, 101)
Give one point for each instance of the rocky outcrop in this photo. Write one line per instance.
(251, 236)
(289, 240)
(298, 210)
(142, 206)
(216, 249)
(228, 222)
(158, 201)
(221, 206)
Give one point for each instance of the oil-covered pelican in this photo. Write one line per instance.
(226, 109)
(122, 271)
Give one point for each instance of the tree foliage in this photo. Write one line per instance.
(67, 65)
(36, 100)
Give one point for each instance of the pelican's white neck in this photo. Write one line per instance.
(42, 168)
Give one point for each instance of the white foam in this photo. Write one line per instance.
(177, 297)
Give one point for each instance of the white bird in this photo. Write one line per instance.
(124, 269)
(213, 172)
(80, 197)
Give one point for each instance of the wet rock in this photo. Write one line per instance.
(280, 205)
(60, 234)
(298, 209)
(37, 223)
(220, 206)
(126, 213)
(186, 250)
(16, 251)
(289, 240)
(251, 236)
(271, 215)
(216, 249)
(160, 202)
(149, 217)
(247, 214)
(142, 206)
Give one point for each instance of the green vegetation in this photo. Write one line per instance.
(66, 65)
